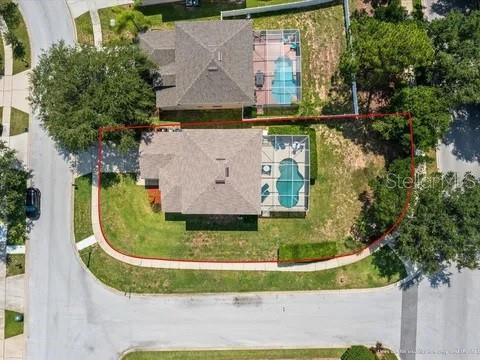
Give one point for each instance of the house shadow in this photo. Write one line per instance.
(464, 134)
(215, 222)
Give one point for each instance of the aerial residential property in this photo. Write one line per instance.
(224, 64)
(239, 179)
(226, 172)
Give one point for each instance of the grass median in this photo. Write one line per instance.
(84, 29)
(277, 354)
(380, 269)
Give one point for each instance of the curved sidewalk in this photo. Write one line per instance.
(206, 265)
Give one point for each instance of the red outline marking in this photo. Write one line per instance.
(373, 244)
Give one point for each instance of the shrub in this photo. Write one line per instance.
(301, 130)
(358, 352)
(298, 252)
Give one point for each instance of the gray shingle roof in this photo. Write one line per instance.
(204, 171)
(213, 62)
(159, 46)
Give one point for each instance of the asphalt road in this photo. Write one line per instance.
(72, 316)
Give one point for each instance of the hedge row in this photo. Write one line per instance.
(304, 252)
(301, 130)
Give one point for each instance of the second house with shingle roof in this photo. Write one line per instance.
(224, 64)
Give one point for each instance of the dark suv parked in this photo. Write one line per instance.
(32, 203)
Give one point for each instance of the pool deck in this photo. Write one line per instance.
(266, 50)
(292, 147)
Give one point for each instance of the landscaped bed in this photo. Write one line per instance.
(15, 264)
(12, 326)
(380, 269)
(134, 226)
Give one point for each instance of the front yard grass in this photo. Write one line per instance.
(84, 29)
(12, 327)
(277, 354)
(15, 264)
(18, 122)
(344, 170)
(83, 206)
(21, 60)
(380, 269)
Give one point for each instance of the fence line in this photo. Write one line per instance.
(273, 8)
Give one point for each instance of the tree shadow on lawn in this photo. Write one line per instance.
(388, 264)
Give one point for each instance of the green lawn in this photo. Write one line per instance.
(82, 204)
(380, 269)
(21, 61)
(18, 122)
(2, 58)
(322, 41)
(344, 171)
(12, 328)
(15, 264)
(284, 354)
(84, 29)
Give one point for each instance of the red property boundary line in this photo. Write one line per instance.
(301, 119)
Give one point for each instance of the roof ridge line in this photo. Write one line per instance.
(192, 141)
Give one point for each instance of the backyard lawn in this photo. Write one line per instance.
(18, 122)
(84, 29)
(134, 226)
(380, 269)
(284, 354)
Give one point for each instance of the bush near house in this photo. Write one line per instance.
(301, 130)
(293, 252)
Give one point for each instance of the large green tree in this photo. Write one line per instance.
(13, 182)
(456, 69)
(77, 90)
(385, 53)
(431, 117)
(388, 197)
(444, 227)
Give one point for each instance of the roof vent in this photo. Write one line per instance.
(213, 68)
(219, 56)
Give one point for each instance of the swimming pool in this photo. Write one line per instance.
(284, 87)
(289, 183)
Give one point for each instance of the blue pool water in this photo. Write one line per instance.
(289, 183)
(284, 88)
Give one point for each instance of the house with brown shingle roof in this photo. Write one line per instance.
(204, 171)
(203, 64)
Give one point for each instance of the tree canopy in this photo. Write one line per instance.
(431, 117)
(444, 227)
(383, 53)
(13, 182)
(456, 69)
(77, 90)
(389, 193)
